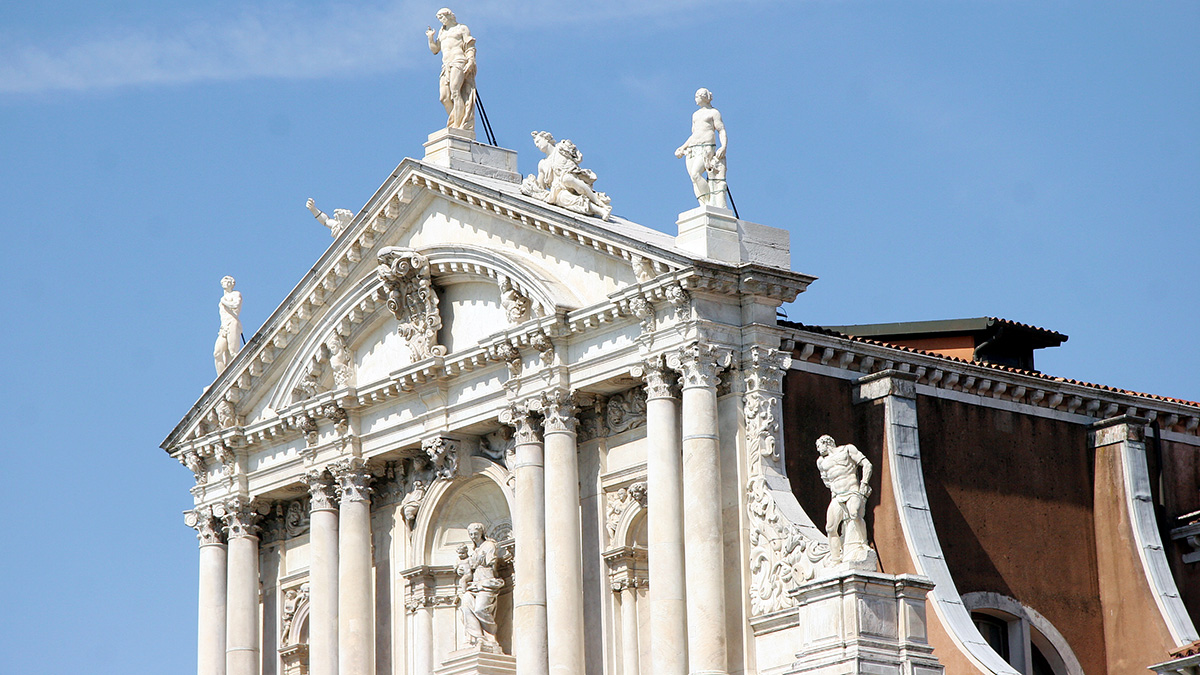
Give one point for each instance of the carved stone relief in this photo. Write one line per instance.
(443, 455)
(781, 556)
(192, 461)
(626, 411)
(619, 502)
(516, 306)
(411, 298)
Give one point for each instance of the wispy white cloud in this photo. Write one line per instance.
(279, 41)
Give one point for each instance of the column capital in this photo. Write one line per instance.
(524, 423)
(765, 369)
(558, 412)
(699, 363)
(661, 381)
(354, 480)
(207, 526)
(322, 489)
(241, 517)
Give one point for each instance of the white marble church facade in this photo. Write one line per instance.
(602, 397)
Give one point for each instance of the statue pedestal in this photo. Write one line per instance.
(457, 149)
(716, 234)
(864, 622)
(474, 661)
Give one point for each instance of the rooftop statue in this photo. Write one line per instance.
(341, 218)
(703, 155)
(230, 334)
(845, 522)
(562, 181)
(457, 83)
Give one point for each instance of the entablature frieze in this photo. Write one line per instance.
(991, 386)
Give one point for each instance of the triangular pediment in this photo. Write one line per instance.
(488, 251)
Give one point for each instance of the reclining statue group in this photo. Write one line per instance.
(562, 181)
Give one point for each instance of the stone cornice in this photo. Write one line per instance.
(856, 358)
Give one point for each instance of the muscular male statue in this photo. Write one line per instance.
(457, 83)
(702, 152)
(845, 522)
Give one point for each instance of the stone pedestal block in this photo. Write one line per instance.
(457, 149)
(861, 622)
(474, 661)
(715, 233)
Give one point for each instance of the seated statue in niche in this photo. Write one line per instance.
(845, 520)
(561, 180)
(479, 588)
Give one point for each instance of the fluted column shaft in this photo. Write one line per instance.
(323, 575)
(530, 646)
(242, 621)
(664, 471)
(210, 652)
(703, 547)
(564, 554)
(356, 608)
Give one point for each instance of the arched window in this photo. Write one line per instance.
(1021, 636)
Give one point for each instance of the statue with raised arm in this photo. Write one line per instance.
(457, 82)
(845, 520)
(229, 337)
(561, 180)
(702, 154)
(341, 218)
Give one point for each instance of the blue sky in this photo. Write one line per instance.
(932, 159)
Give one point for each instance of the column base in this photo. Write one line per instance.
(475, 661)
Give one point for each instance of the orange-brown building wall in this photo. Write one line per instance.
(1135, 632)
(958, 346)
(1176, 467)
(816, 405)
(1011, 497)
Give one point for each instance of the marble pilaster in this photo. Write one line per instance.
(530, 633)
(698, 365)
(210, 653)
(323, 574)
(356, 583)
(564, 553)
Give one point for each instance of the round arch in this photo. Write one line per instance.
(482, 485)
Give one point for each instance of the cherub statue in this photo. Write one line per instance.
(341, 218)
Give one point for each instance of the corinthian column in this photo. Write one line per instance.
(323, 575)
(356, 611)
(210, 654)
(529, 529)
(664, 472)
(698, 364)
(241, 622)
(564, 555)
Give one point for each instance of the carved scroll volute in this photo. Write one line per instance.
(406, 277)
(764, 369)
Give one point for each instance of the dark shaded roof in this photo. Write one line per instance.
(994, 366)
(1034, 336)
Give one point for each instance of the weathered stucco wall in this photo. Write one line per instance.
(1176, 468)
(1012, 500)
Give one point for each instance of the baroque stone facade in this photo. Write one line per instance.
(488, 435)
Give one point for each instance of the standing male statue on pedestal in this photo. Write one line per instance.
(702, 152)
(845, 520)
(457, 83)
